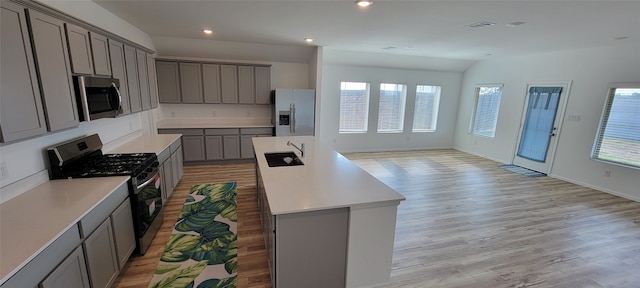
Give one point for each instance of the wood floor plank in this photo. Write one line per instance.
(465, 223)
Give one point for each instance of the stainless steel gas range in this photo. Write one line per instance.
(83, 157)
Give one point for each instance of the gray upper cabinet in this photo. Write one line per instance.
(168, 82)
(211, 83)
(246, 85)
(21, 111)
(263, 84)
(229, 83)
(52, 60)
(119, 71)
(191, 82)
(100, 53)
(79, 49)
(132, 79)
(143, 78)
(153, 81)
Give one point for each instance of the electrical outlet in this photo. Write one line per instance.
(130, 126)
(607, 173)
(4, 171)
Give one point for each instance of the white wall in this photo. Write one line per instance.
(333, 74)
(590, 70)
(26, 161)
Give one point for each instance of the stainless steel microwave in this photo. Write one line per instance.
(97, 97)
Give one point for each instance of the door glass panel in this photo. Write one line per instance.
(538, 125)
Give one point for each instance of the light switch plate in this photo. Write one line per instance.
(4, 171)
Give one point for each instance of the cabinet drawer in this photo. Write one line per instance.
(257, 131)
(181, 131)
(164, 155)
(222, 131)
(91, 221)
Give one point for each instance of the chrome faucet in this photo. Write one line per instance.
(301, 148)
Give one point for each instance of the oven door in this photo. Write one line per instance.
(148, 203)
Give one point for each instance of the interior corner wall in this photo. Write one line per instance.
(333, 74)
(590, 71)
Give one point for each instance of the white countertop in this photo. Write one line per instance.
(33, 220)
(147, 144)
(186, 123)
(326, 180)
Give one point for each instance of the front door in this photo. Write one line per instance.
(540, 126)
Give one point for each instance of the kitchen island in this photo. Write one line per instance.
(327, 223)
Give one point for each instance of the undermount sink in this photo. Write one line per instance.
(280, 159)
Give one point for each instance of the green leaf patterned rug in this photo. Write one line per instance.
(202, 251)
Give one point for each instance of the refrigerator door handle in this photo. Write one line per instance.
(290, 118)
(293, 117)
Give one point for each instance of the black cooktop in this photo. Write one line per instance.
(111, 165)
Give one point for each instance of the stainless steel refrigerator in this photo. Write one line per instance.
(294, 112)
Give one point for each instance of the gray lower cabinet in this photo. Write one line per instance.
(193, 148)
(231, 146)
(178, 165)
(100, 252)
(71, 273)
(295, 238)
(214, 147)
(119, 71)
(246, 145)
(131, 62)
(123, 232)
(171, 167)
(52, 59)
(21, 110)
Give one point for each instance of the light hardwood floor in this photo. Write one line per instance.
(465, 223)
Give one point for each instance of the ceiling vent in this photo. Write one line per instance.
(481, 24)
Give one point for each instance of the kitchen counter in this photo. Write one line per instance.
(33, 220)
(326, 180)
(197, 123)
(147, 144)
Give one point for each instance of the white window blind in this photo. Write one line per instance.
(354, 107)
(425, 115)
(391, 109)
(485, 116)
(618, 137)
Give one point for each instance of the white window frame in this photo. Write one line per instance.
(365, 127)
(473, 124)
(403, 103)
(597, 153)
(434, 113)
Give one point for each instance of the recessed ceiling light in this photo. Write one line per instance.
(308, 39)
(481, 24)
(364, 3)
(207, 31)
(619, 38)
(515, 24)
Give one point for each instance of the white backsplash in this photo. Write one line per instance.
(215, 111)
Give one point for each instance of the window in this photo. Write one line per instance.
(391, 109)
(426, 112)
(354, 107)
(485, 116)
(618, 138)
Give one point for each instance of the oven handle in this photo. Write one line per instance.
(139, 188)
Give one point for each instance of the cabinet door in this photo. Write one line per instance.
(100, 252)
(132, 79)
(229, 83)
(168, 82)
(52, 59)
(163, 183)
(79, 49)
(211, 83)
(263, 85)
(143, 78)
(246, 85)
(123, 233)
(21, 110)
(71, 273)
(231, 146)
(153, 81)
(174, 169)
(167, 176)
(193, 148)
(246, 146)
(179, 165)
(119, 71)
(100, 53)
(214, 148)
(191, 82)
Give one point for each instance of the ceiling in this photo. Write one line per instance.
(433, 30)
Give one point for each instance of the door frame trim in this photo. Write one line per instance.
(559, 117)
